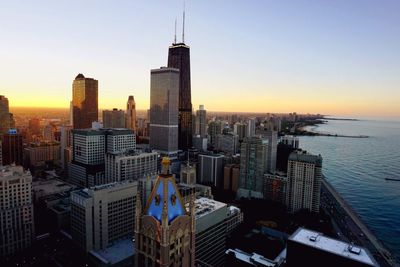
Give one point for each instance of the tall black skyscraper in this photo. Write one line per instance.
(179, 58)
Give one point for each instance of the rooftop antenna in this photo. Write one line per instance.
(175, 33)
(183, 27)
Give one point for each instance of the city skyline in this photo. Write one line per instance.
(336, 59)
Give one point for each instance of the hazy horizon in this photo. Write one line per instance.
(307, 57)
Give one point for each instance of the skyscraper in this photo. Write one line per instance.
(201, 121)
(113, 118)
(12, 148)
(253, 164)
(131, 114)
(165, 229)
(179, 58)
(164, 103)
(6, 118)
(84, 101)
(16, 210)
(304, 181)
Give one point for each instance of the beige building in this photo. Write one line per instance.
(103, 214)
(303, 181)
(38, 153)
(16, 210)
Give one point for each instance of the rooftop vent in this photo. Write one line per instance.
(354, 250)
(313, 238)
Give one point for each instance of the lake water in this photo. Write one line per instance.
(357, 168)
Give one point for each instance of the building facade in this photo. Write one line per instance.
(275, 187)
(16, 210)
(103, 214)
(201, 122)
(253, 165)
(303, 181)
(179, 58)
(211, 169)
(131, 114)
(84, 101)
(39, 153)
(6, 118)
(130, 165)
(12, 148)
(164, 109)
(165, 228)
(114, 118)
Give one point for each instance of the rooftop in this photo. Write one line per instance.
(204, 206)
(252, 259)
(319, 241)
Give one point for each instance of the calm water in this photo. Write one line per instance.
(357, 168)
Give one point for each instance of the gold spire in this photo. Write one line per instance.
(165, 165)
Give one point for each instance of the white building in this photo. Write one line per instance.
(290, 140)
(16, 210)
(130, 165)
(303, 181)
(103, 214)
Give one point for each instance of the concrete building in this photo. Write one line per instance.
(6, 118)
(309, 248)
(164, 113)
(214, 128)
(240, 129)
(231, 177)
(251, 127)
(272, 138)
(290, 140)
(227, 143)
(103, 214)
(130, 165)
(275, 187)
(214, 222)
(89, 148)
(253, 165)
(165, 228)
(114, 118)
(201, 122)
(37, 154)
(131, 114)
(211, 169)
(12, 150)
(66, 144)
(304, 181)
(188, 174)
(84, 101)
(16, 210)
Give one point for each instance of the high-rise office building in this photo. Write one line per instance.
(113, 118)
(130, 165)
(89, 148)
(240, 129)
(272, 137)
(211, 169)
(253, 164)
(165, 229)
(6, 118)
(12, 148)
(164, 109)
(201, 122)
(84, 101)
(304, 181)
(214, 129)
(103, 214)
(251, 127)
(231, 177)
(179, 58)
(227, 143)
(131, 114)
(66, 143)
(16, 210)
(34, 126)
(188, 174)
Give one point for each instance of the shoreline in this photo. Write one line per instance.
(302, 131)
(352, 226)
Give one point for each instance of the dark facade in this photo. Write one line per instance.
(179, 58)
(84, 101)
(12, 148)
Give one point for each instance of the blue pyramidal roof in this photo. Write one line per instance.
(165, 192)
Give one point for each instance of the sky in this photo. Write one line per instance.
(330, 57)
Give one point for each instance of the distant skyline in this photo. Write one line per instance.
(328, 57)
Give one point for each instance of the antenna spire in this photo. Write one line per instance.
(175, 33)
(183, 26)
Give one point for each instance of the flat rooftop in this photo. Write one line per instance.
(319, 241)
(118, 252)
(251, 259)
(204, 206)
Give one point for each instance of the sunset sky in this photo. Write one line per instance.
(333, 57)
